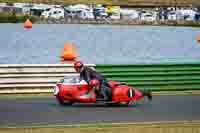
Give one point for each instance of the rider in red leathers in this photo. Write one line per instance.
(88, 74)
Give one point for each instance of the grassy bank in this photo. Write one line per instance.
(137, 22)
(20, 18)
(16, 18)
(122, 22)
(116, 2)
(155, 127)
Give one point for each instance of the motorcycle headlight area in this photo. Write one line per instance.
(55, 90)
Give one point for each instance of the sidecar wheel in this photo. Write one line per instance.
(112, 104)
(62, 102)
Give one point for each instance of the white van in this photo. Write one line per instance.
(149, 17)
(56, 13)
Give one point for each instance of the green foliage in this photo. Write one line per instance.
(16, 18)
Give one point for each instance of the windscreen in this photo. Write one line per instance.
(70, 80)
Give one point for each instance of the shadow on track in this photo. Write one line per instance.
(100, 105)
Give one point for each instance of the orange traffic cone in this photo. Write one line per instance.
(28, 24)
(68, 52)
(198, 37)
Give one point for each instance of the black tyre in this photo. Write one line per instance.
(124, 103)
(62, 102)
(148, 94)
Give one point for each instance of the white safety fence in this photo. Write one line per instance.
(33, 78)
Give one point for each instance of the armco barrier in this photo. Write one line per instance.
(155, 76)
(37, 78)
(33, 78)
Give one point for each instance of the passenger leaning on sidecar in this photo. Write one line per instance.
(88, 74)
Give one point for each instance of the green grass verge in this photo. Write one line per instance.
(16, 18)
(20, 18)
(142, 127)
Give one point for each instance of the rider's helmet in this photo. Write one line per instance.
(78, 65)
(94, 83)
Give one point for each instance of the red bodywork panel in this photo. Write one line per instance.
(76, 92)
(123, 92)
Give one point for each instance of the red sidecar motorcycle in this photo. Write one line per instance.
(70, 90)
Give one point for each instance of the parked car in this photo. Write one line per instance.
(149, 17)
(100, 12)
(38, 9)
(55, 13)
(81, 13)
(87, 14)
(172, 15)
(72, 13)
(129, 13)
(79, 10)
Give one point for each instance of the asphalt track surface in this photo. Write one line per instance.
(46, 111)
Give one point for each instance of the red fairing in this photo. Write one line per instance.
(75, 92)
(69, 91)
(126, 93)
(120, 93)
(84, 98)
